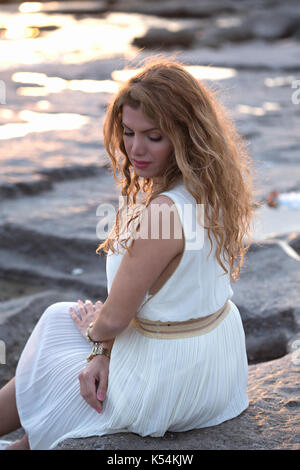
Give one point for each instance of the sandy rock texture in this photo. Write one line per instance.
(270, 422)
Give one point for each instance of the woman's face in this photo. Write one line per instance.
(147, 148)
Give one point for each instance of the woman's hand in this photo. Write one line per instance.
(93, 381)
(88, 313)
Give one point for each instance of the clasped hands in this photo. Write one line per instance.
(94, 377)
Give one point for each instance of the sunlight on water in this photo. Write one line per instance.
(42, 122)
(6, 114)
(279, 81)
(30, 7)
(21, 33)
(256, 110)
(48, 85)
(199, 72)
(33, 38)
(93, 86)
(43, 105)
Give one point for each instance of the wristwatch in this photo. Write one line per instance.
(97, 350)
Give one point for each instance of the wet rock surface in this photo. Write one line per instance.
(160, 37)
(268, 297)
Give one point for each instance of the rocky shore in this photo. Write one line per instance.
(54, 179)
(267, 295)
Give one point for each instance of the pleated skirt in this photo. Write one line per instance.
(154, 385)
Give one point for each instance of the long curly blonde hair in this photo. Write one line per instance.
(209, 154)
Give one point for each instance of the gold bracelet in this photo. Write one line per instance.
(87, 334)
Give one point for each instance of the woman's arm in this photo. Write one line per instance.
(141, 266)
(108, 344)
(94, 377)
(139, 269)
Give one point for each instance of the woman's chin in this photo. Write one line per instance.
(144, 172)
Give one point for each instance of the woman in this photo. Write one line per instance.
(178, 358)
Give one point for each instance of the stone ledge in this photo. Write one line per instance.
(270, 422)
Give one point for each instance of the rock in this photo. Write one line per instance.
(249, 55)
(48, 259)
(215, 36)
(12, 289)
(268, 297)
(270, 422)
(23, 185)
(177, 9)
(72, 172)
(274, 24)
(294, 242)
(266, 25)
(162, 37)
(74, 7)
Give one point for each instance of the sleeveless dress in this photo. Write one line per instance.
(154, 385)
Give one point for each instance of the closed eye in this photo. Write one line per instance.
(129, 133)
(153, 139)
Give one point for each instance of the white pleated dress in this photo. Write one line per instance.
(155, 385)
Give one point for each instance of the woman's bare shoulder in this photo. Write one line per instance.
(162, 199)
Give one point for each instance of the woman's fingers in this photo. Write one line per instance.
(81, 308)
(85, 309)
(88, 389)
(74, 316)
(85, 313)
(93, 382)
(102, 387)
(88, 307)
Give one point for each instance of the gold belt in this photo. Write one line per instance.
(181, 329)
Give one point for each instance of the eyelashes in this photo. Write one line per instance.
(153, 139)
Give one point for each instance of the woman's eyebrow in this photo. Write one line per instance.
(146, 130)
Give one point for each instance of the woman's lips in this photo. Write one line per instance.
(140, 164)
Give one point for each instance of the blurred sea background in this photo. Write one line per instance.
(61, 63)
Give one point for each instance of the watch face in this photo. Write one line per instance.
(97, 350)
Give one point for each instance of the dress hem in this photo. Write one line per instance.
(217, 422)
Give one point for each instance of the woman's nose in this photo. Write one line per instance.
(138, 147)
